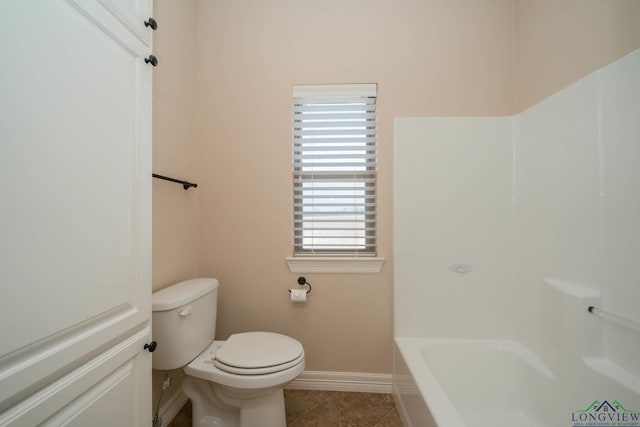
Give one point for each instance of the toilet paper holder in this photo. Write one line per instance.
(302, 281)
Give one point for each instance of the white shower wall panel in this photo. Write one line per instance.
(620, 100)
(556, 209)
(576, 210)
(452, 200)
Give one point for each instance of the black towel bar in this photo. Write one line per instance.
(615, 317)
(185, 184)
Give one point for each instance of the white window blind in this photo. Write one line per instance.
(334, 170)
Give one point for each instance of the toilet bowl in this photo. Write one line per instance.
(234, 383)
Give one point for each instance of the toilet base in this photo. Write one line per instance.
(214, 405)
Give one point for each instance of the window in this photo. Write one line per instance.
(334, 170)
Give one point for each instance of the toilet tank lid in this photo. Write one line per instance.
(182, 293)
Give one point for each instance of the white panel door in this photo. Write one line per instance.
(75, 220)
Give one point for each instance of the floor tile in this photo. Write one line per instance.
(298, 402)
(312, 408)
(392, 419)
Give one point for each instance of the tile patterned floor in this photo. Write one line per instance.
(336, 408)
(327, 409)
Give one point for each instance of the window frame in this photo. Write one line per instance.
(368, 176)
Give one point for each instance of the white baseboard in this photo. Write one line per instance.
(308, 380)
(172, 406)
(342, 381)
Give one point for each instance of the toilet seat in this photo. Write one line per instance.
(257, 371)
(204, 367)
(258, 353)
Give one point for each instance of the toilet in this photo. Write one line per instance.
(234, 383)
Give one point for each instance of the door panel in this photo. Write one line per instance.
(131, 13)
(68, 175)
(75, 180)
(102, 392)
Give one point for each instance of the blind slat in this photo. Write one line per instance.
(348, 125)
(339, 116)
(298, 151)
(316, 197)
(312, 198)
(308, 108)
(310, 166)
(335, 142)
(317, 245)
(310, 191)
(345, 221)
(341, 100)
(358, 177)
(370, 132)
(308, 157)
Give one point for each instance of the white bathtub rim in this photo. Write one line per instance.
(439, 403)
(513, 347)
(436, 399)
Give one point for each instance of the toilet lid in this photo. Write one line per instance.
(258, 353)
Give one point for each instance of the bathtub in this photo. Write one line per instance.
(478, 383)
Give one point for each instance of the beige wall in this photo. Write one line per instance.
(429, 58)
(228, 67)
(175, 153)
(559, 42)
(175, 211)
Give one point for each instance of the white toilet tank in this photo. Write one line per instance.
(183, 321)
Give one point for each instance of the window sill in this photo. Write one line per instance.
(338, 265)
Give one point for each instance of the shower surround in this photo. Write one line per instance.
(544, 208)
